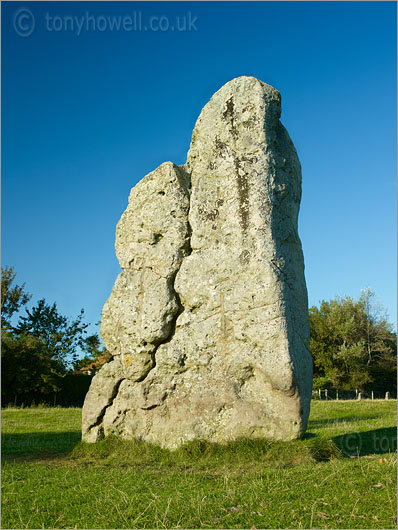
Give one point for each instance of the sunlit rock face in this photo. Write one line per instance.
(208, 320)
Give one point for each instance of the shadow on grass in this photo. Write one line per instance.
(378, 441)
(308, 435)
(315, 423)
(50, 446)
(32, 445)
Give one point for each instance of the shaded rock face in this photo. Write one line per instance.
(208, 320)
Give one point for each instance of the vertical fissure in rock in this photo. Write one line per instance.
(111, 399)
(187, 250)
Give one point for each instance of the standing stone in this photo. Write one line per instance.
(208, 321)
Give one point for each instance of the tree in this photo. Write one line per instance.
(381, 343)
(38, 351)
(27, 372)
(352, 344)
(62, 337)
(12, 298)
(95, 353)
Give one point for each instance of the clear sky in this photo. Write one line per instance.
(89, 109)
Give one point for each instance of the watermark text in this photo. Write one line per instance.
(25, 23)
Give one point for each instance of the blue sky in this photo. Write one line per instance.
(87, 113)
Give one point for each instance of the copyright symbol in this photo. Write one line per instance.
(351, 444)
(24, 22)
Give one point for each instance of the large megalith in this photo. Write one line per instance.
(208, 320)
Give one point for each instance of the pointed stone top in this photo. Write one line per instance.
(239, 116)
(249, 80)
(248, 84)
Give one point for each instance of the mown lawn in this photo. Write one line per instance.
(342, 475)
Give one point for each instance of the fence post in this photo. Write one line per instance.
(326, 394)
(387, 395)
(356, 393)
(337, 395)
(319, 392)
(372, 395)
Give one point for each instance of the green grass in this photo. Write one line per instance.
(341, 475)
(36, 431)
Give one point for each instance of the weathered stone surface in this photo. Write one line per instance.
(208, 322)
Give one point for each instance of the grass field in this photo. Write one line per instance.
(341, 475)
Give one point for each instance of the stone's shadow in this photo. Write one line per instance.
(315, 423)
(33, 445)
(378, 441)
(308, 435)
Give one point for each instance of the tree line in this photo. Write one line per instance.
(353, 347)
(42, 349)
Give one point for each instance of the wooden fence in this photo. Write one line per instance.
(340, 395)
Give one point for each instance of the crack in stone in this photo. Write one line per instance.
(150, 407)
(98, 421)
(187, 248)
